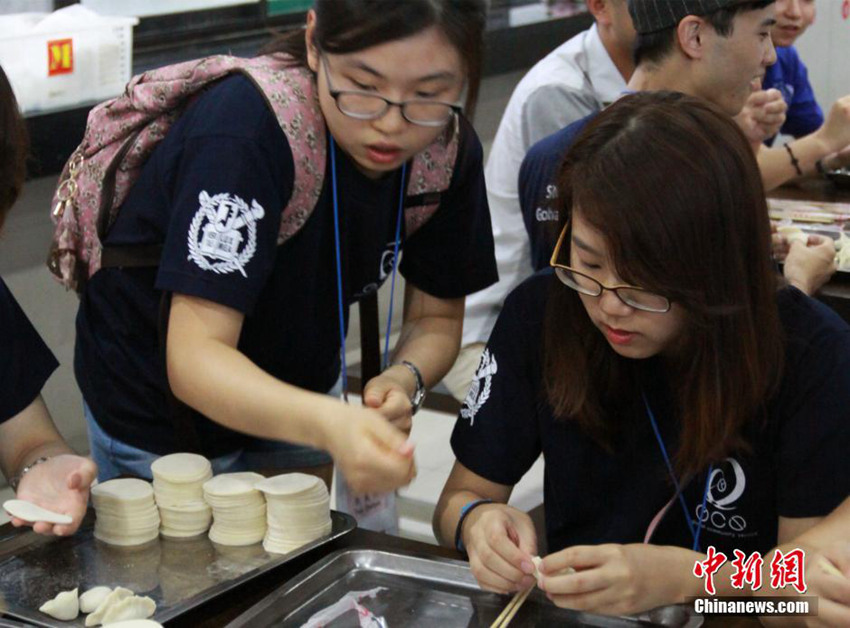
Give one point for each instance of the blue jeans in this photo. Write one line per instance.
(114, 457)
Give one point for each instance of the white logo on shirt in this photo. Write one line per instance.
(725, 487)
(223, 234)
(478, 394)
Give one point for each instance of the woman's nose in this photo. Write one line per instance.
(611, 304)
(391, 122)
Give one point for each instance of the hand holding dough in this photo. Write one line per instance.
(65, 606)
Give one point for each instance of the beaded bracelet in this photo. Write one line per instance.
(464, 512)
(15, 480)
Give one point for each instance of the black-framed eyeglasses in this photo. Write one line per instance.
(369, 106)
(638, 298)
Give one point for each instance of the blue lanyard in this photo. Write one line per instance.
(341, 308)
(695, 528)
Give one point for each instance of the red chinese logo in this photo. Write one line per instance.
(60, 56)
(747, 570)
(708, 567)
(845, 9)
(788, 569)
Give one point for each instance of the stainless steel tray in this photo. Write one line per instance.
(418, 591)
(177, 574)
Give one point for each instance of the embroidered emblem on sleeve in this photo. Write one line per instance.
(479, 391)
(223, 234)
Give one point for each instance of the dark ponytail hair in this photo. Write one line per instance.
(344, 26)
(14, 143)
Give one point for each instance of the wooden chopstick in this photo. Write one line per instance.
(511, 609)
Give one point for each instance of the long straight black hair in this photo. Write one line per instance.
(344, 26)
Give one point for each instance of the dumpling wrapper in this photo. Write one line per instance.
(537, 560)
(118, 594)
(33, 513)
(91, 599)
(134, 607)
(65, 606)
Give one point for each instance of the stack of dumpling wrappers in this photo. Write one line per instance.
(239, 509)
(298, 507)
(178, 481)
(126, 512)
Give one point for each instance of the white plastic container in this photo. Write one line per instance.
(67, 58)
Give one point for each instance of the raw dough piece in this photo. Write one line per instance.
(93, 598)
(239, 509)
(118, 594)
(33, 512)
(537, 560)
(126, 512)
(134, 607)
(298, 509)
(792, 233)
(178, 481)
(65, 606)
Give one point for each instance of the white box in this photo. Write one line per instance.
(144, 8)
(67, 58)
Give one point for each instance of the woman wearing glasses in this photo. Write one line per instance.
(682, 397)
(254, 326)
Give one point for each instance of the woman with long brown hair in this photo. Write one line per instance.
(682, 396)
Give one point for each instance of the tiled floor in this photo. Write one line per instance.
(23, 249)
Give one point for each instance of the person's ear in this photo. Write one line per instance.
(309, 38)
(691, 35)
(600, 11)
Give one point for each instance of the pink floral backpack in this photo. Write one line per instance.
(122, 133)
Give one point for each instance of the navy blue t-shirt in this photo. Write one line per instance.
(790, 77)
(27, 363)
(537, 189)
(213, 192)
(797, 467)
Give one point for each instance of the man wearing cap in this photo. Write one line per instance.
(712, 49)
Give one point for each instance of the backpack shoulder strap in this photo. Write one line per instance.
(430, 176)
(290, 92)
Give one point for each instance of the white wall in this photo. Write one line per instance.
(825, 49)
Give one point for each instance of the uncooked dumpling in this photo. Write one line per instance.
(135, 607)
(91, 599)
(65, 606)
(33, 513)
(118, 594)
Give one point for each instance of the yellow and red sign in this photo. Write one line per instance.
(60, 56)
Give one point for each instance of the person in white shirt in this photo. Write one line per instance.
(579, 77)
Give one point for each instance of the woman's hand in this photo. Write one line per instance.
(389, 393)
(374, 456)
(828, 578)
(500, 541)
(60, 484)
(811, 264)
(617, 579)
